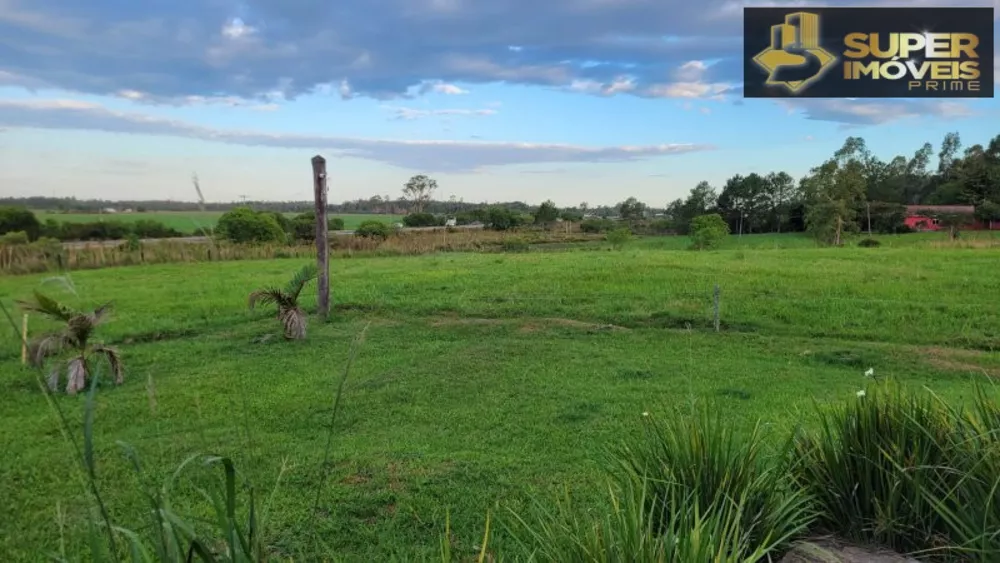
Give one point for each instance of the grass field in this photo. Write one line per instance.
(189, 221)
(484, 378)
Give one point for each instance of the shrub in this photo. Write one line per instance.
(869, 243)
(423, 220)
(283, 221)
(571, 215)
(373, 230)
(619, 237)
(708, 231)
(597, 225)
(503, 219)
(131, 244)
(14, 238)
(302, 227)
(16, 219)
(244, 225)
(145, 228)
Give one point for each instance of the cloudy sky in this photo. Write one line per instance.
(569, 100)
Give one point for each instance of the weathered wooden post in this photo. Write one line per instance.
(322, 236)
(24, 339)
(717, 292)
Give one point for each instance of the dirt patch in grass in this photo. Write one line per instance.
(954, 359)
(465, 321)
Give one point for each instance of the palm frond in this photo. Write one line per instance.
(53, 378)
(299, 281)
(48, 307)
(76, 376)
(114, 360)
(101, 313)
(43, 347)
(294, 322)
(78, 330)
(266, 297)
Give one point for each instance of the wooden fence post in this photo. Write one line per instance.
(24, 339)
(717, 292)
(322, 236)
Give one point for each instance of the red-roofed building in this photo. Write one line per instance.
(918, 217)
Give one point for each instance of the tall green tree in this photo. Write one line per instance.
(835, 191)
(419, 190)
(631, 209)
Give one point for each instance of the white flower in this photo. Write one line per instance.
(870, 372)
(645, 414)
(861, 393)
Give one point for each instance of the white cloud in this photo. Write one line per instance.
(443, 156)
(412, 113)
(236, 29)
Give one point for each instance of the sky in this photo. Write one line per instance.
(497, 100)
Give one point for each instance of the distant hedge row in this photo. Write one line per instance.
(20, 219)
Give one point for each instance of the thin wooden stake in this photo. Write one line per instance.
(322, 237)
(717, 292)
(24, 339)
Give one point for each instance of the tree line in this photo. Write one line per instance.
(854, 191)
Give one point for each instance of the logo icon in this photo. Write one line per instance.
(795, 58)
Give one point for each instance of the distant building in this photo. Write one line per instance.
(110, 210)
(450, 223)
(917, 217)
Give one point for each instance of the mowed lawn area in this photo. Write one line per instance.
(189, 221)
(485, 380)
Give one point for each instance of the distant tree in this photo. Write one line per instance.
(781, 194)
(547, 213)
(292, 317)
(702, 198)
(835, 193)
(708, 231)
(419, 190)
(74, 339)
(988, 212)
(244, 225)
(571, 215)
(19, 219)
(631, 209)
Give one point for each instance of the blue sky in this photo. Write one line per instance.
(569, 100)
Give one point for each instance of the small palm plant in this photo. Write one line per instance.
(74, 338)
(292, 317)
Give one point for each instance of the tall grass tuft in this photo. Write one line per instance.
(687, 489)
(903, 470)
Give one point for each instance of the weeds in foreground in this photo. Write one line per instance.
(75, 337)
(688, 489)
(906, 471)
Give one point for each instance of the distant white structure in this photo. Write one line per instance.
(450, 223)
(110, 210)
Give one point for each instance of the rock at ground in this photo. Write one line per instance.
(834, 551)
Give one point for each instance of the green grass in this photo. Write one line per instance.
(188, 221)
(484, 378)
